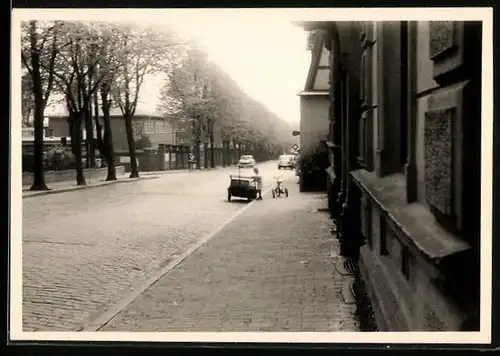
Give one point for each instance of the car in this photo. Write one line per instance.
(242, 187)
(286, 162)
(246, 161)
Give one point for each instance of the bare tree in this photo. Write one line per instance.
(186, 94)
(143, 51)
(38, 53)
(83, 45)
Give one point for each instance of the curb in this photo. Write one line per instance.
(172, 171)
(80, 187)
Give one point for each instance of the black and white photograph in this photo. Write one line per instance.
(251, 175)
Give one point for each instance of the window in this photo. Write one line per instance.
(148, 127)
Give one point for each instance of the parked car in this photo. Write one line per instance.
(246, 161)
(286, 162)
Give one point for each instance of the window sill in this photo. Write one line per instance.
(414, 220)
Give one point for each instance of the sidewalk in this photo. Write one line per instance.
(68, 186)
(270, 269)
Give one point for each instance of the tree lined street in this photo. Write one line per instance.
(89, 68)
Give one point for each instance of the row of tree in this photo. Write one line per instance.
(92, 65)
(211, 108)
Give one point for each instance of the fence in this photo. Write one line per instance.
(174, 157)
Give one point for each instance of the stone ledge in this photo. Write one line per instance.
(413, 220)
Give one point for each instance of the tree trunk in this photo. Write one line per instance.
(89, 141)
(197, 153)
(101, 146)
(212, 148)
(131, 146)
(71, 133)
(228, 153)
(77, 138)
(38, 171)
(205, 154)
(210, 136)
(108, 139)
(197, 142)
(224, 152)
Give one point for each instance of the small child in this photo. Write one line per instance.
(258, 180)
(279, 182)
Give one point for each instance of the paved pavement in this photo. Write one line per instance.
(83, 250)
(269, 269)
(66, 186)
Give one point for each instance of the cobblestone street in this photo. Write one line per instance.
(83, 250)
(269, 269)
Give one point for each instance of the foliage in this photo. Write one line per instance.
(80, 69)
(141, 51)
(185, 96)
(59, 158)
(198, 93)
(143, 142)
(40, 38)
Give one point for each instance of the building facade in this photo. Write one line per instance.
(404, 175)
(314, 115)
(156, 128)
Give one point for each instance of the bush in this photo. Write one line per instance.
(143, 142)
(59, 158)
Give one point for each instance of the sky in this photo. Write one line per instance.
(266, 56)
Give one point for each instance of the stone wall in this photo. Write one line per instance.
(421, 225)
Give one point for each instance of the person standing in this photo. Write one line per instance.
(258, 180)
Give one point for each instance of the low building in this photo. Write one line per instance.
(151, 125)
(314, 115)
(404, 187)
